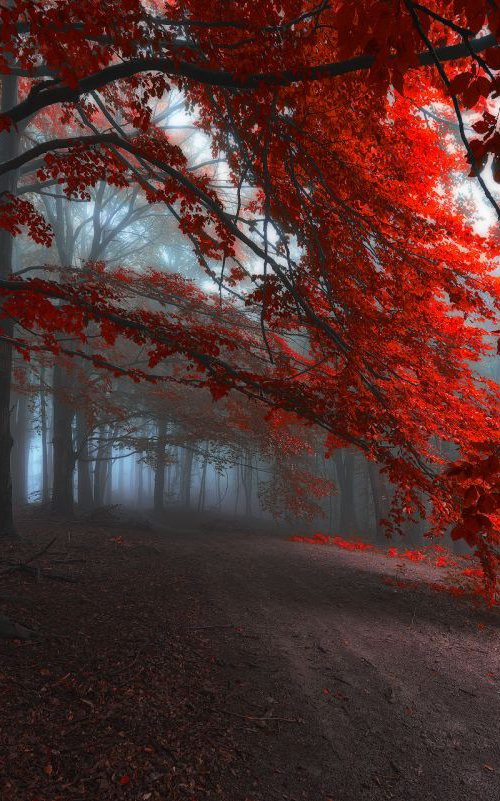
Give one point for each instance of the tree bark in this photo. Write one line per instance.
(159, 488)
(344, 462)
(203, 484)
(140, 482)
(85, 494)
(377, 488)
(187, 466)
(100, 468)
(44, 436)
(9, 146)
(19, 456)
(64, 453)
(247, 476)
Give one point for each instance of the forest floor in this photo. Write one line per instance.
(196, 665)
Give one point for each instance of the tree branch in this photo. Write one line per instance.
(43, 98)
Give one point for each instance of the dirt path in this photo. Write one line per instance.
(397, 692)
(231, 667)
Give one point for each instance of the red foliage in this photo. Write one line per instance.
(373, 261)
(339, 542)
(478, 584)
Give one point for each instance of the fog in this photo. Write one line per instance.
(86, 440)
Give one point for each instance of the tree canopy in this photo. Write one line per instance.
(351, 287)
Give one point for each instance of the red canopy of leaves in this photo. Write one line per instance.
(353, 241)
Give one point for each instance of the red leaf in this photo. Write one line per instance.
(460, 82)
(492, 57)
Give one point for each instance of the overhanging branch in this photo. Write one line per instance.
(174, 68)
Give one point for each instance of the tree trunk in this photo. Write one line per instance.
(377, 487)
(108, 480)
(203, 483)
(159, 488)
(237, 495)
(9, 145)
(19, 456)
(140, 483)
(100, 467)
(120, 478)
(85, 495)
(64, 454)
(247, 476)
(344, 462)
(187, 466)
(44, 435)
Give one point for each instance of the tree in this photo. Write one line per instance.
(341, 231)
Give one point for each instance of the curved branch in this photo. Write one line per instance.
(37, 100)
(54, 144)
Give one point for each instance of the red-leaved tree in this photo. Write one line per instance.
(343, 127)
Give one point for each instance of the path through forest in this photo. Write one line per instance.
(218, 665)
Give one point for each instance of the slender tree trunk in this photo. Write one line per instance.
(159, 488)
(177, 474)
(9, 146)
(108, 480)
(203, 482)
(44, 435)
(219, 491)
(169, 479)
(120, 478)
(19, 456)
(140, 483)
(237, 497)
(344, 462)
(85, 495)
(64, 452)
(99, 468)
(149, 476)
(377, 487)
(187, 468)
(247, 475)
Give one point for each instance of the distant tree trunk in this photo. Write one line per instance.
(85, 495)
(168, 480)
(414, 532)
(50, 446)
(159, 487)
(120, 479)
(237, 497)
(44, 436)
(149, 476)
(64, 453)
(108, 476)
(177, 473)
(100, 467)
(247, 476)
(140, 482)
(187, 468)
(377, 487)
(219, 491)
(344, 462)
(203, 482)
(19, 456)
(9, 147)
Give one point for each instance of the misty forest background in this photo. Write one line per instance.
(114, 442)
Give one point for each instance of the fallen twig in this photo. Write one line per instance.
(344, 681)
(27, 563)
